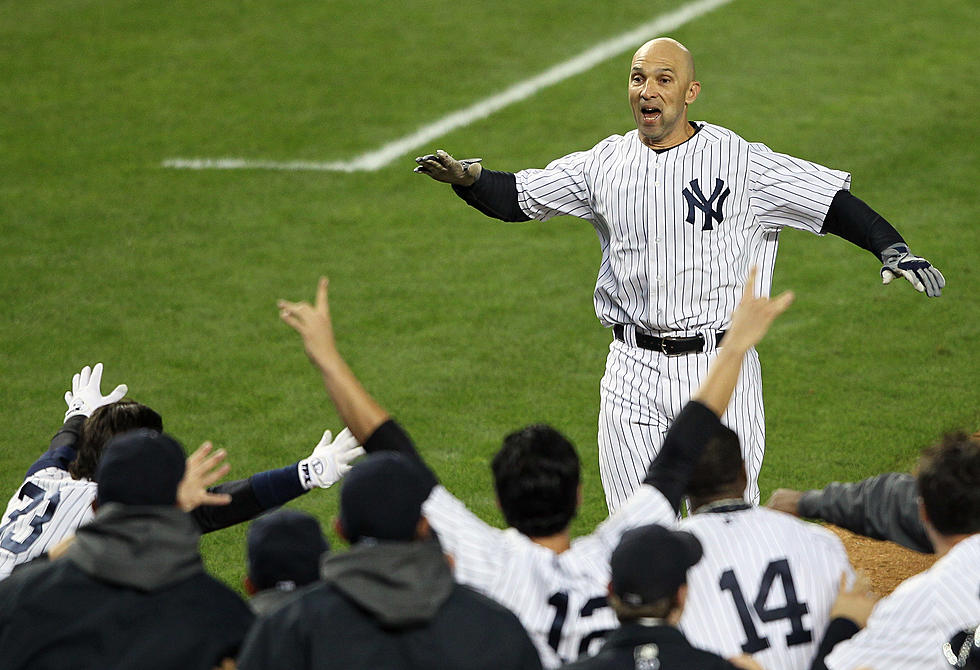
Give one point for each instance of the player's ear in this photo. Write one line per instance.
(423, 531)
(249, 586)
(693, 89)
(338, 528)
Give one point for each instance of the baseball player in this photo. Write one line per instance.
(912, 627)
(767, 581)
(682, 210)
(59, 488)
(556, 586)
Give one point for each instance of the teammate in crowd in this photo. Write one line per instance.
(391, 601)
(682, 210)
(909, 628)
(884, 507)
(649, 602)
(556, 586)
(767, 582)
(285, 548)
(58, 490)
(131, 591)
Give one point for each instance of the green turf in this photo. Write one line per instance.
(463, 328)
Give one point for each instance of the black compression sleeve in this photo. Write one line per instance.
(243, 507)
(685, 440)
(851, 218)
(390, 436)
(494, 194)
(838, 630)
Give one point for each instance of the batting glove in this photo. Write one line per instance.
(86, 395)
(899, 262)
(330, 460)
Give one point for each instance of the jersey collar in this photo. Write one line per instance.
(722, 506)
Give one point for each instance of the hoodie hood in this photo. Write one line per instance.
(137, 546)
(400, 584)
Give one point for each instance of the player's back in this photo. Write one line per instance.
(47, 508)
(765, 585)
(560, 598)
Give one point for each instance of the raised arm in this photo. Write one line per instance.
(84, 398)
(356, 407)
(699, 419)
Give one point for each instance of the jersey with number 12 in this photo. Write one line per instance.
(559, 598)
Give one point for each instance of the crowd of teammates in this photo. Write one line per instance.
(103, 565)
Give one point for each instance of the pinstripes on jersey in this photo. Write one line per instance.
(671, 268)
(530, 579)
(72, 509)
(747, 542)
(907, 629)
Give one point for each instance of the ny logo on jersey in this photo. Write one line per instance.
(696, 200)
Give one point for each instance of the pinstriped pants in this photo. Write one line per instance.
(640, 394)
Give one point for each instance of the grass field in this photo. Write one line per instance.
(464, 328)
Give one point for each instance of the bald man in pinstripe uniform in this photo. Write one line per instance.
(682, 210)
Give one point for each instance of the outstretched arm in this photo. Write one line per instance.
(230, 503)
(491, 192)
(851, 218)
(698, 421)
(884, 507)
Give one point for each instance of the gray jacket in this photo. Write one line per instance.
(883, 507)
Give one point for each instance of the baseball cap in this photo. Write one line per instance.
(651, 563)
(382, 497)
(140, 467)
(284, 549)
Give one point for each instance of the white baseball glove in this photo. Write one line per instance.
(86, 395)
(331, 459)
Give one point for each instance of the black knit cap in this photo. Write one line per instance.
(284, 550)
(140, 467)
(651, 563)
(382, 497)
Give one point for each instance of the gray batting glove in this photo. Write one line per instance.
(330, 460)
(899, 262)
(86, 395)
(443, 167)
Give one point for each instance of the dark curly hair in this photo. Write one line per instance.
(105, 422)
(948, 479)
(536, 475)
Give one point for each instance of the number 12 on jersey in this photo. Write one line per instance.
(792, 610)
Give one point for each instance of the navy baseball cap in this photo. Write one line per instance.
(651, 563)
(140, 467)
(284, 550)
(382, 497)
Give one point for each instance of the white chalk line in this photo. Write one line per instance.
(386, 154)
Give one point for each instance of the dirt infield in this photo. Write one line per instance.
(886, 563)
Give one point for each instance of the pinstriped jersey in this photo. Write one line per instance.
(47, 508)
(764, 586)
(680, 228)
(559, 598)
(907, 629)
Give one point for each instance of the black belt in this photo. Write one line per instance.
(669, 346)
